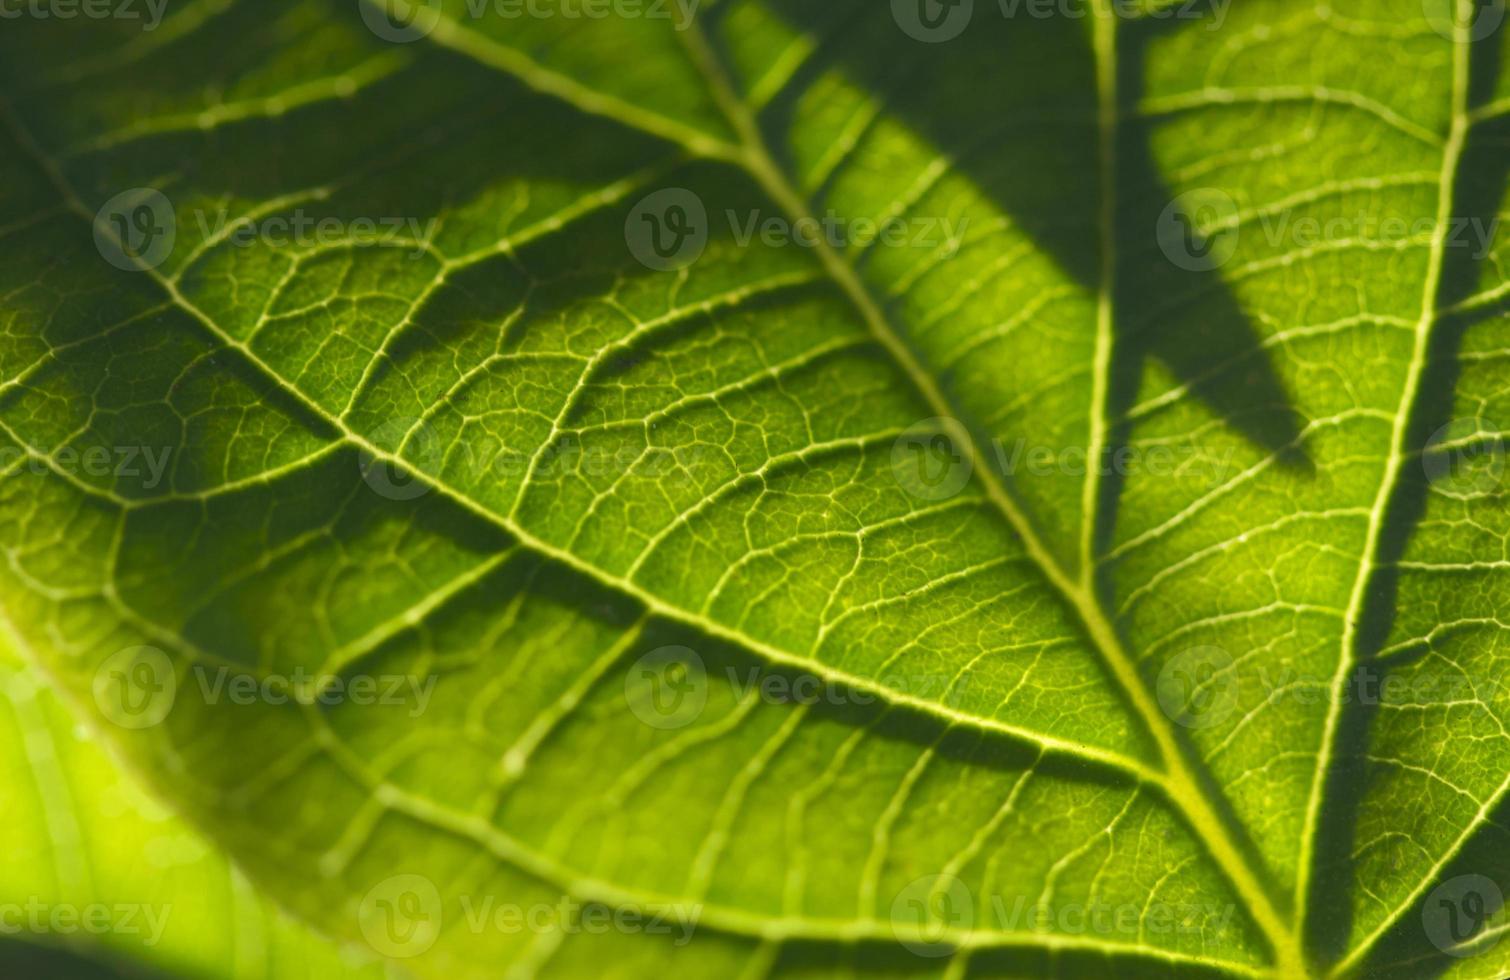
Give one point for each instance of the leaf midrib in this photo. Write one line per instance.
(1184, 788)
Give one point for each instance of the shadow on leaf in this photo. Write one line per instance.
(1407, 949)
(1012, 103)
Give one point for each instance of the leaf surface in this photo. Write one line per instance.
(94, 866)
(497, 458)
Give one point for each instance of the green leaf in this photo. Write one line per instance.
(1098, 573)
(94, 866)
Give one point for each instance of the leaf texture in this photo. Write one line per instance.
(496, 456)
